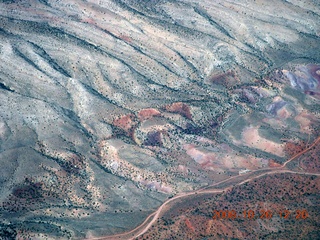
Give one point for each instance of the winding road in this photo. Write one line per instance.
(219, 187)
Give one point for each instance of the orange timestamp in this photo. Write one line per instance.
(261, 214)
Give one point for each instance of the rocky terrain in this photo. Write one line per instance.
(108, 108)
(275, 206)
(288, 196)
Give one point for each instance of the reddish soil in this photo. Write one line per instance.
(180, 108)
(279, 193)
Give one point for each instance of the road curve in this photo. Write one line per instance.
(230, 182)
